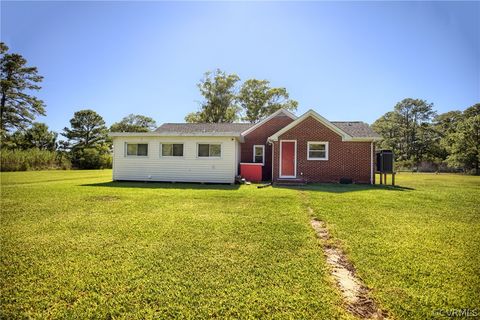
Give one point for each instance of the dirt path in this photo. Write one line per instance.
(355, 293)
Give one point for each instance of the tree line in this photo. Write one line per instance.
(420, 137)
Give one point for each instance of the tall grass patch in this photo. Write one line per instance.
(32, 159)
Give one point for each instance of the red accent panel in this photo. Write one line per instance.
(288, 158)
(251, 172)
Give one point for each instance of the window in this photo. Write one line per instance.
(209, 150)
(172, 149)
(137, 149)
(259, 154)
(317, 151)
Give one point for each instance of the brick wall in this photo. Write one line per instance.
(260, 136)
(345, 159)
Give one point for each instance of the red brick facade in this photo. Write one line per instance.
(345, 159)
(259, 136)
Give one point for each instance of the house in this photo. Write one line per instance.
(283, 148)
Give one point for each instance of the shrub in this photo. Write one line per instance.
(91, 158)
(31, 159)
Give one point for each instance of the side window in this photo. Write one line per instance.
(172, 149)
(137, 149)
(259, 154)
(209, 150)
(317, 150)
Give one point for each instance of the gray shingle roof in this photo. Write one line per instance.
(203, 128)
(356, 129)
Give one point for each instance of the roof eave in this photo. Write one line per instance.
(175, 134)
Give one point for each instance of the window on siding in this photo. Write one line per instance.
(258, 153)
(137, 149)
(317, 151)
(209, 150)
(172, 149)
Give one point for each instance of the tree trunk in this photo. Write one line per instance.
(2, 108)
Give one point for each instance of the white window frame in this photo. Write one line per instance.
(136, 155)
(280, 160)
(263, 153)
(172, 143)
(317, 142)
(209, 143)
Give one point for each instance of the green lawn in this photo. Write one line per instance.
(75, 244)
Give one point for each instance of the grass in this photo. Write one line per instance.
(416, 247)
(74, 244)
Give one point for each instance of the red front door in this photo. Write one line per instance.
(287, 159)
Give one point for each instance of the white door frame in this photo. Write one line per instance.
(295, 160)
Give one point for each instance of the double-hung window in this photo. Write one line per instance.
(259, 153)
(210, 150)
(137, 149)
(317, 150)
(172, 149)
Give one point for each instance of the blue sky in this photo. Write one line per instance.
(346, 60)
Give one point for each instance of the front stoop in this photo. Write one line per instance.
(290, 182)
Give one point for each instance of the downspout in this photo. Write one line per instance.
(371, 162)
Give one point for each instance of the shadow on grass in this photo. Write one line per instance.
(343, 188)
(163, 185)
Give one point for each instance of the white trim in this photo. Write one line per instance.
(221, 150)
(369, 139)
(371, 163)
(172, 143)
(273, 163)
(311, 113)
(263, 152)
(295, 160)
(273, 115)
(317, 142)
(253, 164)
(319, 118)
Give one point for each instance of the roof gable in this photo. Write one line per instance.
(349, 131)
(273, 115)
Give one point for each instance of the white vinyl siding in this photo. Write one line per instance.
(189, 168)
(317, 150)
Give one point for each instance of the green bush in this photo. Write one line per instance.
(91, 158)
(32, 159)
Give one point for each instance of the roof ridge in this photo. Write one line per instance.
(229, 123)
(356, 121)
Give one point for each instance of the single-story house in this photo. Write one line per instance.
(308, 148)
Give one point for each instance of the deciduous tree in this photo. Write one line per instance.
(134, 123)
(463, 143)
(259, 100)
(219, 91)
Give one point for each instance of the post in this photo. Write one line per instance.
(393, 178)
(381, 177)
